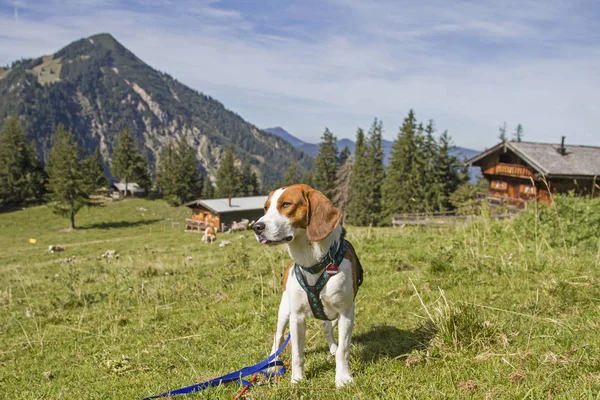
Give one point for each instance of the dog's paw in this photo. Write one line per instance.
(333, 349)
(296, 379)
(341, 381)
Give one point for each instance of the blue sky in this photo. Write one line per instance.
(304, 65)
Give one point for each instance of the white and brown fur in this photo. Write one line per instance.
(309, 224)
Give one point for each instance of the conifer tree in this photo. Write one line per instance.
(357, 213)
(166, 174)
(308, 179)
(326, 164)
(419, 173)
(94, 171)
(291, 175)
(189, 179)
(430, 180)
(249, 185)
(518, 136)
(22, 176)
(254, 185)
(341, 193)
(128, 164)
(449, 169)
(208, 190)
(398, 186)
(68, 186)
(376, 172)
(228, 176)
(344, 155)
(502, 132)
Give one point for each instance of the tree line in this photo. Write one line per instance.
(421, 175)
(70, 177)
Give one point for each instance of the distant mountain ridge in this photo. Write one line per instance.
(96, 87)
(312, 149)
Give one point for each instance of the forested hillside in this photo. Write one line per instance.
(96, 87)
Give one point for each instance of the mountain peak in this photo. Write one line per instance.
(96, 87)
(101, 45)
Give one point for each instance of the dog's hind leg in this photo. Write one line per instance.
(328, 330)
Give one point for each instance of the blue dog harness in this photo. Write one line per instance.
(329, 267)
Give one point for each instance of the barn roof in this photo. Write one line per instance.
(131, 186)
(221, 206)
(547, 159)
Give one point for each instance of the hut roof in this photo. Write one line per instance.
(131, 186)
(221, 206)
(548, 160)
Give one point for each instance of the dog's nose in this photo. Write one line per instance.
(258, 227)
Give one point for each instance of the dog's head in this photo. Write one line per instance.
(295, 210)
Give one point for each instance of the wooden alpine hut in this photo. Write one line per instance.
(221, 213)
(522, 171)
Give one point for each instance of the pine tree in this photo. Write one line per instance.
(341, 193)
(357, 213)
(189, 179)
(166, 175)
(254, 185)
(68, 186)
(326, 164)
(430, 182)
(376, 172)
(249, 185)
(208, 190)
(291, 175)
(308, 178)
(419, 173)
(344, 155)
(22, 176)
(398, 188)
(518, 136)
(228, 175)
(449, 169)
(502, 132)
(128, 164)
(94, 171)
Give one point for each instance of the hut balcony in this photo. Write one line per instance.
(515, 170)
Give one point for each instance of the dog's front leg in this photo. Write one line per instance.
(298, 331)
(342, 356)
(282, 321)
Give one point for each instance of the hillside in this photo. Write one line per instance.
(97, 87)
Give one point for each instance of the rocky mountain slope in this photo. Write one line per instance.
(97, 87)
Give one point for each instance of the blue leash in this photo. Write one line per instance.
(236, 376)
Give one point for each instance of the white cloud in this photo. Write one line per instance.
(468, 65)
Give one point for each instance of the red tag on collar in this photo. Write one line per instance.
(331, 269)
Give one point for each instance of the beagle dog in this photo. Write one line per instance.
(323, 278)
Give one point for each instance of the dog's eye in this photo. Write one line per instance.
(285, 205)
(265, 208)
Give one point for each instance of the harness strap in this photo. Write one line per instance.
(313, 292)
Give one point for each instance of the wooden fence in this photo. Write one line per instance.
(500, 208)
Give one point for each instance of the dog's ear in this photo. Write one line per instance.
(322, 216)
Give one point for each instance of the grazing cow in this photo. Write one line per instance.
(210, 235)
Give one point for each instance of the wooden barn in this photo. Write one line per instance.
(220, 213)
(133, 190)
(519, 172)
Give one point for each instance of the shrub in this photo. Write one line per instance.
(570, 222)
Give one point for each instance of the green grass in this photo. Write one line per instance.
(491, 310)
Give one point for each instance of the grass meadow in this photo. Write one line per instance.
(497, 310)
